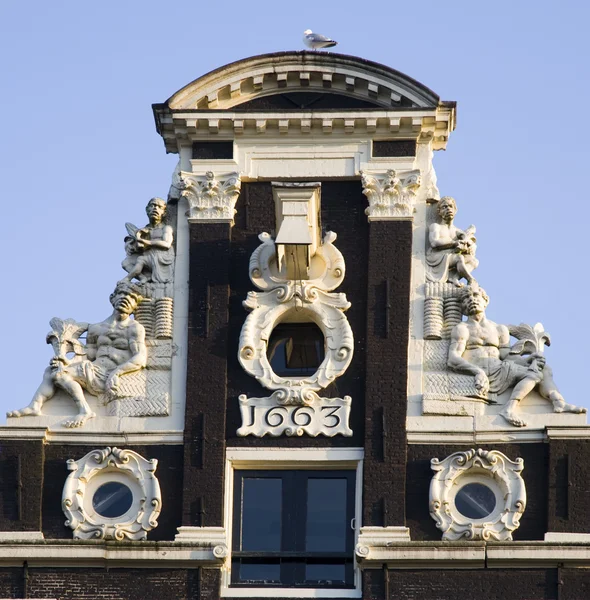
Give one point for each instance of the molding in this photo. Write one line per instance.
(102, 466)
(95, 438)
(564, 433)
(491, 468)
(287, 456)
(213, 538)
(97, 553)
(284, 72)
(372, 540)
(568, 538)
(391, 195)
(289, 593)
(537, 554)
(21, 536)
(211, 198)
(434, 125)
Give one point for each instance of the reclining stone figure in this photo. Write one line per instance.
(482, 348)
(114, 347)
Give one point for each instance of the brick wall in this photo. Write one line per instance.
(388, 316)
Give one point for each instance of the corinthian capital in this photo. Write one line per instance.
(391, 195)
(210, 197)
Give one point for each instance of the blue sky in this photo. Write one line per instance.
(79, 154)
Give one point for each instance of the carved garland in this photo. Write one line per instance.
(311, 300)
(490, 468)
(210, 198)
(390, 195)
(102, 466)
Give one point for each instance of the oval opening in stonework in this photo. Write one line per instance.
(296, 349)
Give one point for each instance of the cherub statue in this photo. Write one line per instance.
(482, 348)
(150, 254)
(451, 252)
(114, 347)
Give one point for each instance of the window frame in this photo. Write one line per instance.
(289, 459)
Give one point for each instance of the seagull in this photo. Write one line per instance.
(315, 41)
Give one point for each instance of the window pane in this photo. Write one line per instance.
(258, 572)
(261, 514)
(326, 515)
(325, 573)
(296, 349)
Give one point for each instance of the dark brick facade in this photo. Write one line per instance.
(21, 462)
(569, 486)
(488, 584)
(206, 386)
(388, 316)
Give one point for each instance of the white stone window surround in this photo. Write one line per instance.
(281, 459)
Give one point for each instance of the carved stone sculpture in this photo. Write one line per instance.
(211, 198)
(125, 469)
(150, 261)
(451, 252)
(114, 348)
(294, 407)
(150, 254)
(481, 348)
(391, 195)
(490, 469)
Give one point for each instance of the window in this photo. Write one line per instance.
(293, 528)
(296, 349)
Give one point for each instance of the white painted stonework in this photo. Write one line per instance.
(391, 195)
(149, 391)
(214, 538)
(296, 301)
(211, 197)
(97, 468)
(490, 468)
(445, 403)
(372, 540)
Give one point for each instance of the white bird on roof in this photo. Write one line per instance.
(315, 41)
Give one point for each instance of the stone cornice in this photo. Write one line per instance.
(268, 74)
(182, 127)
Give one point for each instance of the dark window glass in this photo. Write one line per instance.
(260, 573)
(112, 499)
(293, 529)
(261, 521)
(325, 573)
(475, 501)
(296, 349)
(326, 515)
(390, 148)
(213, 150)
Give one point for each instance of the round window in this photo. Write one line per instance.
(112, 499)
(475, 501)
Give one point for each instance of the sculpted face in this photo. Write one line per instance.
(447, 208)
(124, 303)
(474, 302)
(155, 209)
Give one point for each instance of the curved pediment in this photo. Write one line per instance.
(323, 79)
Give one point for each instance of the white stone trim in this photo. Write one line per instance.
(21, 536)
(214, 538)
(289, 458)
(425, 125)
(391, 194)
(567, 538)
(372, 540)
(538, 554)
(491, 468)
(96, 438)
(211, 197)
(111, 465)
